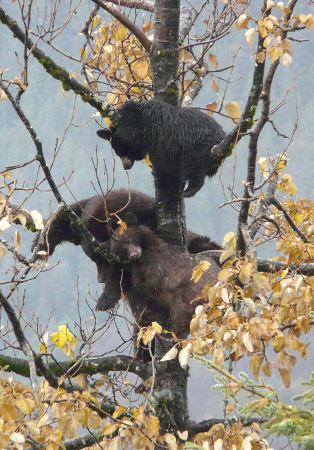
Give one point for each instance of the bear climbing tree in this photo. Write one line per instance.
(178, 141)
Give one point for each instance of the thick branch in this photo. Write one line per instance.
(88, 366)
(202, 427)
(266, 265)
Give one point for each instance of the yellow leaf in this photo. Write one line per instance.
(286, 45)
(171, 441)
(25, 405)
(224, 274)
(245, 273)
(120, 33)
(233, 110)
(140, 69)
(277, 343)
(148, 335)
(247, 341)
(230, 240)
(267, 369)
(4, 223)
(81, 380)
(224, 295)
(33, 427)
(2, 251)
(152, 424)
(119, 411)
(249, 303)
(3, 95)
(199, 270)
(242, 21)
(185, 56)
(147, 161)
(272, 19)
(147, 26)
(274, 53)
(38, 220)
(17, 239)
(285, 377)
(281, 164)
(255, 364)
(122, 226)
(267, 41)
(225, 255)
(184, 355)
(249, 36)
(286, 59)
(230, 407)
(7, 413)
(109, 428)
(22, 219)
(171, 354)
(287, 185)
(211, 107)
(270, 4)
(84, 53)
(17, 439)
(260, 57)
(96, 20)
(156, 327)
(7, 174)
(18, 81)
(218, 444)
(65, 340)
(214, 84)
(218, 428)
(184, 435)
(42, 348)
(212, 58)
(262, 162)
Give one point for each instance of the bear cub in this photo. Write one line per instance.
(178, 140)
(161, 288)
(92, 213)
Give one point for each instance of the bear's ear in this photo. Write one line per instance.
(105, 133)
(131, 220)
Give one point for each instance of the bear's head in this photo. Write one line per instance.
(127, 138)
(126, 244)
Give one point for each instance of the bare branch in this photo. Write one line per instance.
(58, 72)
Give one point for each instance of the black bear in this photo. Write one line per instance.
(159, 277)
(93, 215)
(178, 141)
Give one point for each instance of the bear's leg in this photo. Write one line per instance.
(112, 291)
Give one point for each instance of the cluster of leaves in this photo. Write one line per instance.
(270, 29)
(235, 436)
(116, 54)
(56, 415)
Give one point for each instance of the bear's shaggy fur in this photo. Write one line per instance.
(178, 140)
(159, 285)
